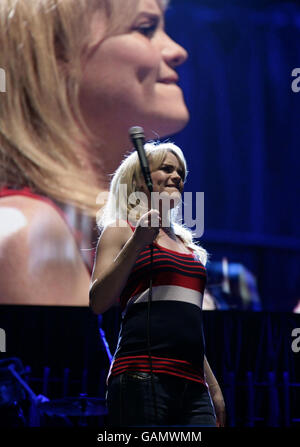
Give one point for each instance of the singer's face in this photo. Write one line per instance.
(130, 79)
(168, 178)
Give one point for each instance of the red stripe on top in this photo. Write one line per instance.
(195, 281)
(163, 280)
(181, 281)
(186, 270)
(144, 360)
(160, 365)
(133, 357)
(27, 192)
(160, 257)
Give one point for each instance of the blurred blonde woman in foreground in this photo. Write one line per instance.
(79, 73)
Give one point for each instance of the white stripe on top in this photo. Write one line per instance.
(167, 293)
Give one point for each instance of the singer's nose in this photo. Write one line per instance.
(176, 177)
(173, 53)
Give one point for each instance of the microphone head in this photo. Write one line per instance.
(136, 132)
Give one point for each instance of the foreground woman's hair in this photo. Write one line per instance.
(43, 44)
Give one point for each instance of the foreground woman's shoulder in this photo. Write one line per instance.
(40, 261)
(25, 215)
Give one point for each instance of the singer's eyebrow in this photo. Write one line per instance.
(155, 17)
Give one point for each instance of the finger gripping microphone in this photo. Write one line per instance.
(138, 139)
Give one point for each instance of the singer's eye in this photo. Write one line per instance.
(147, 30)
(169, 169)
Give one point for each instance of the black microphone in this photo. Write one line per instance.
(138, 139)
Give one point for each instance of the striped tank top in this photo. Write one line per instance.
(176, 330)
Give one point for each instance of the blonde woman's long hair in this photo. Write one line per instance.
(41, 127)
(117, 207)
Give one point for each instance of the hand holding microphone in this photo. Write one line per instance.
(147, 228)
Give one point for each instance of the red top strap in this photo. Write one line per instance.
(131, 226)
(27, 192)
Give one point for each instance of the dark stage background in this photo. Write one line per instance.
(63, 355)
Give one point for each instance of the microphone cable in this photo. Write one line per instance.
(137, 137)
(149, 333)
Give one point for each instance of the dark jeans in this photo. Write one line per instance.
(179, 401)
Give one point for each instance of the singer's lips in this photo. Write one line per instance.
(173, 186)
(169, 80)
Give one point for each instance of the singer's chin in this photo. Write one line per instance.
(174, 123)
(184, 120)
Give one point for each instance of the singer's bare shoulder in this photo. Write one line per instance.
(112, 240)
(119, 231)
(39, 260)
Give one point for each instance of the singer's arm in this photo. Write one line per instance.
(116, 254)
(215, 393)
